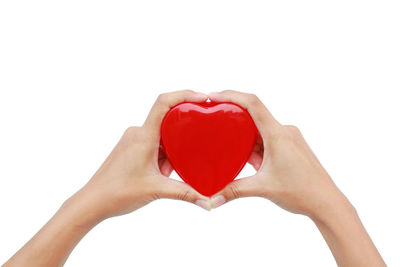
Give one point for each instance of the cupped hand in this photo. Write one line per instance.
(136, 172)
(288, 172)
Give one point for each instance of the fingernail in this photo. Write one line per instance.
(203, 204)
(200, 94)
(216, 96)
(217, 201)
(212, 93)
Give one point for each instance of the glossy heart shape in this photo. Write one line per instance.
(208, 143)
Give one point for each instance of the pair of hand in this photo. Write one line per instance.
(136, 172)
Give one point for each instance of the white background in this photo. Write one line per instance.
(75, 74)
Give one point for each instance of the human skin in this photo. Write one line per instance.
(135, 173)
(291, 176)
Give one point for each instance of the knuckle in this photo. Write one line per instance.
(293, 128)
(294, 131)
(131, 130)
(235, 192)
(163, 98)
(185, 195)
(253, 100)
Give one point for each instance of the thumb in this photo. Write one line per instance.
(174, 189)
(244, 187)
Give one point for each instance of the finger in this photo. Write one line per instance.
(263, 119)
(255, 160)
(166, 168)
(244, 187)
(164, 102)
(161, 153)
(173, 189)
(259, 145)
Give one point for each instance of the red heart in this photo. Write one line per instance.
(208, 143)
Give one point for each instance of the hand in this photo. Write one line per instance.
(136, 171)
(288, 172)
(134, 174)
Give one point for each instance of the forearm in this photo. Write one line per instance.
(52, 245)
(345, 235)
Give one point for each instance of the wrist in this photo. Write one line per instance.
(335, 208)
(81, 212)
